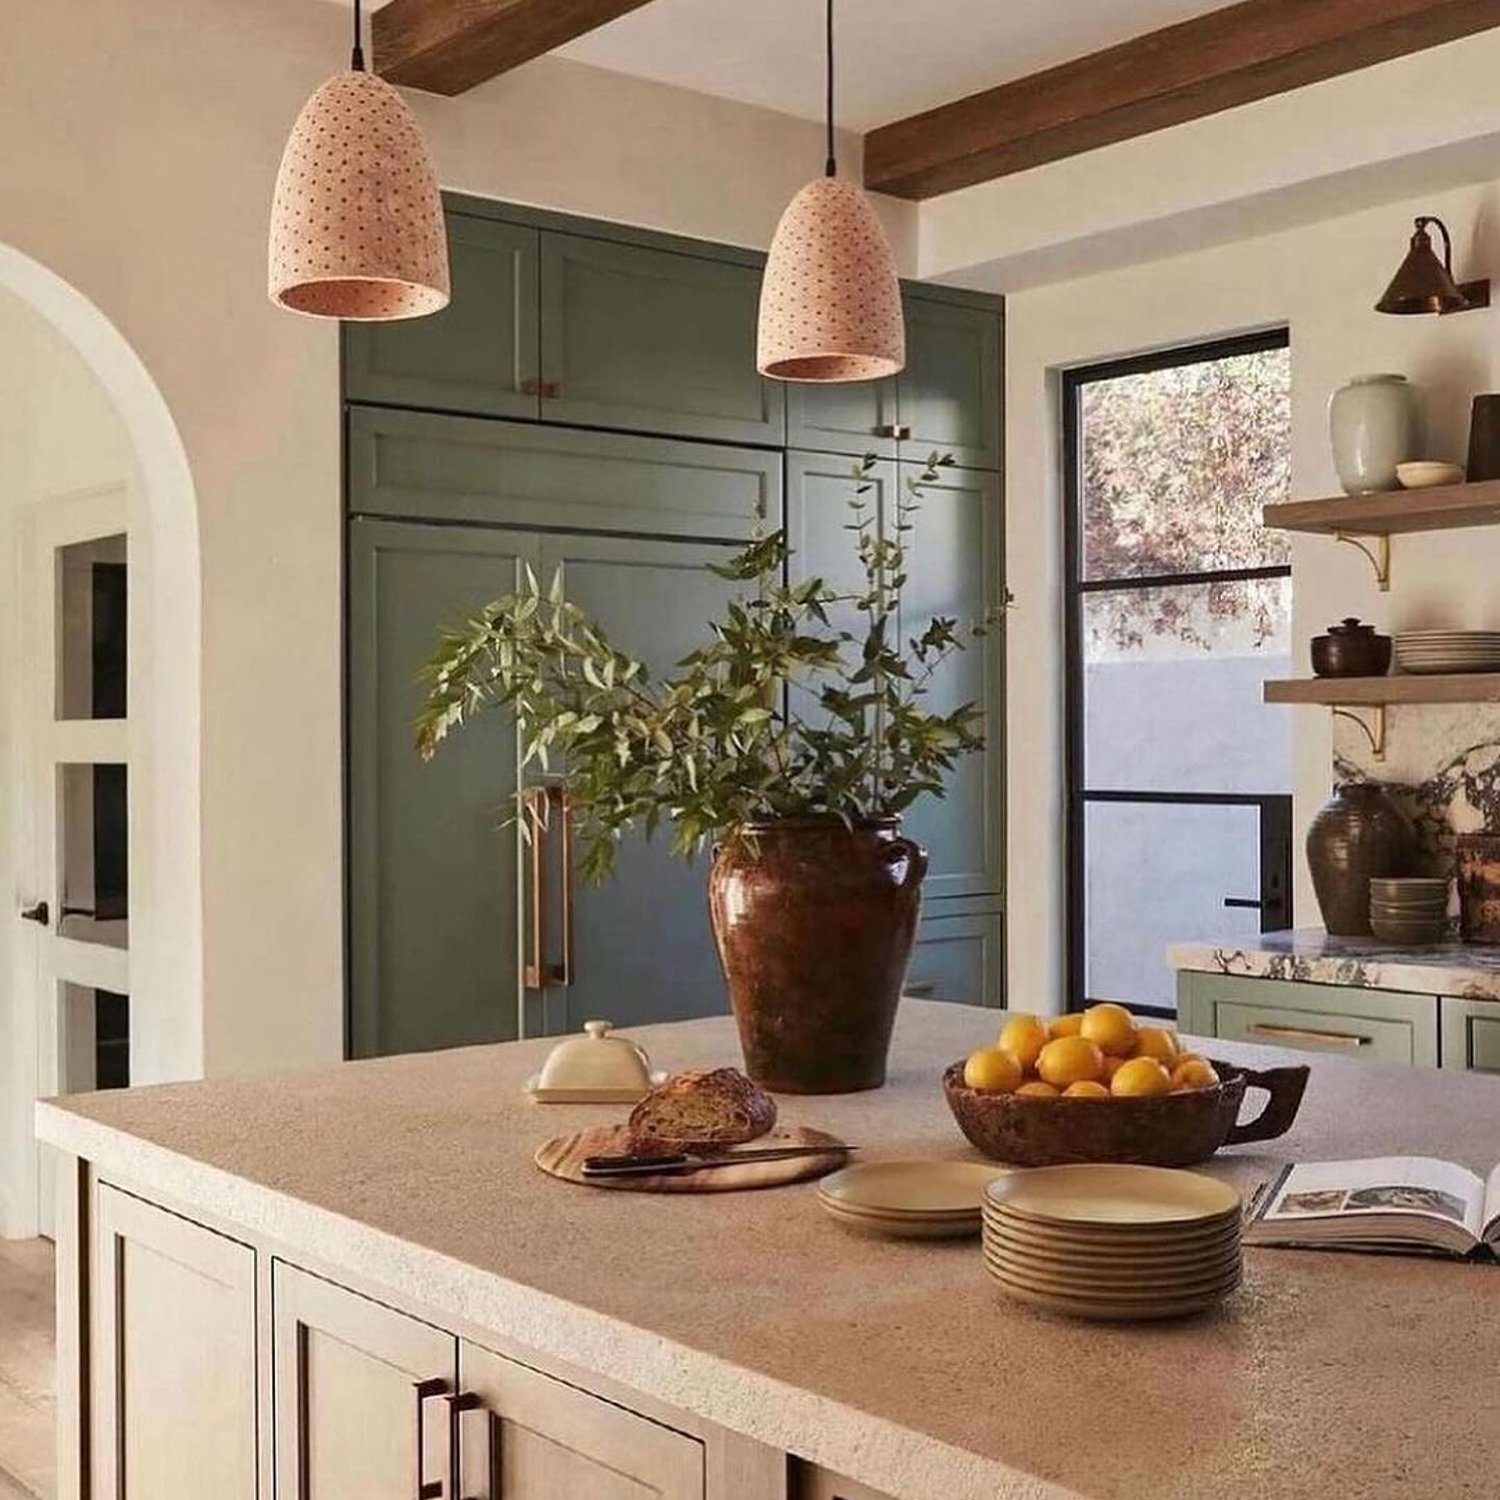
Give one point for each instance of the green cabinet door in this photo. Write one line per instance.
(1471, 1034)
(480, 354)
(955, 567)
(856, 419)
(428, 466)
(642, 946)
(950, 391)
(959, 956)
(651, 340)
(433, 887)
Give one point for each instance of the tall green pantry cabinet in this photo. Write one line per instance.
(589, 405)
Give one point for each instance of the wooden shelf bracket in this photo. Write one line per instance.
(1377, 549)
(1374, 731)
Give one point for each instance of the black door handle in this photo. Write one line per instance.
(1243, 901)
(40, 914)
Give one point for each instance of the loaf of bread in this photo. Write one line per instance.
(705, 1109)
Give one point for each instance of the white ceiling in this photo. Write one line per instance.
(895, 56)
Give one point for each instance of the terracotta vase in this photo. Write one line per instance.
(814, 923)
(1357, 836)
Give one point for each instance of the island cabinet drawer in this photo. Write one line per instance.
(522, 1435)
(808, 1482)
(1379, 1025)
(1471, 1034)
(172, 1366)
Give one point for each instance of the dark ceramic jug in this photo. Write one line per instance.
(815, 923)
(1357, 836)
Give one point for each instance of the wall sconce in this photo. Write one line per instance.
(1425, 284)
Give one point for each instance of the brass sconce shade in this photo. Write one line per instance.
(357, 227)
(1425, 284)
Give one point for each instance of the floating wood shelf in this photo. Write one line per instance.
(1392, 512)
(1356, 692)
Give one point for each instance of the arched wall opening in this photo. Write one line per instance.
(166, 904)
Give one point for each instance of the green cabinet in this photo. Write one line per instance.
(1333, 1020)
(947, 400)
(653, 341)
(1471, 1034)
(959, 954)
(955, 567)
(481, 353)
(428, 466)
(434, 893)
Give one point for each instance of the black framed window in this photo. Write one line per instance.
(1178, 607)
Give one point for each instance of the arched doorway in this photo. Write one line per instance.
(159, 513)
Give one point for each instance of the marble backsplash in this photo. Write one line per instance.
(1442, 766)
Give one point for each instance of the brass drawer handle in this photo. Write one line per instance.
(1346, 1041)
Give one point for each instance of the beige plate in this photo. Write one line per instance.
(1112, 1312)
(1120, 1241)
(910, 1187)
(1116, 1196)
(966, 1216)
(929, 1228)
(1141, 1291)
(1124, 1272)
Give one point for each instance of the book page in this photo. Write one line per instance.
(1417, 1185)
(1491, 1227)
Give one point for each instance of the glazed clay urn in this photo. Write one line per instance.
(1359, 835)
(814, 922)
(1372, 424)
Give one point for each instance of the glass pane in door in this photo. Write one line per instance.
(90, 629)
(1159, 873)
(93, 854)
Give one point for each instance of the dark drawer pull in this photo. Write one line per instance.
(425, 1391)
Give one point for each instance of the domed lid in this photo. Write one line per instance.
(605, 1067)
(1351, 626)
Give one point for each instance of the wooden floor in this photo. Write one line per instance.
(28, 1367)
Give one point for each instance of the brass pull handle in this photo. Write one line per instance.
(458, 1407)
(902, 432)
(551, 390)
(1344, 1041)
(923, 989)
(531, 387)
(425, 1391)
(886, 429)
(538, 970)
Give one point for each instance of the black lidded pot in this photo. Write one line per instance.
(1351, 649)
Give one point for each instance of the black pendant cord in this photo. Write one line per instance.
(357, 61)
(832, 166)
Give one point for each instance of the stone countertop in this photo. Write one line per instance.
(898, 1364)
(1468, 970)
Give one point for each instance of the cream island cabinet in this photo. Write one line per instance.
(352, 1284)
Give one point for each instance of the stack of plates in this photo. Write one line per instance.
(1113, 1242)
(1428, 651)
(909, 1200)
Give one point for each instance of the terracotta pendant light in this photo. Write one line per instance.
(357, 226)
(830, 301)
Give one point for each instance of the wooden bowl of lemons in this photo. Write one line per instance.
(1103, 1086)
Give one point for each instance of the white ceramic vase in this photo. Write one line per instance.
(1372, 422)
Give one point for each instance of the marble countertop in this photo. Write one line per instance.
(900, 1365)
(1469, 970)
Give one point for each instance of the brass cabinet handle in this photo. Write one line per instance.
(538, 970)
(1346, 1041)
(902, 432)
(425, 1391)
(458, 1407)
(551, 390)
(531, 386)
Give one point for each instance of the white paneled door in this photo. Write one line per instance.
(74, 954)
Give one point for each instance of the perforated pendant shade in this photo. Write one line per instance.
(357, 222)
(830, 300)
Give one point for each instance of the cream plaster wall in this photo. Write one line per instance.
(142, 143)
(1320, 280)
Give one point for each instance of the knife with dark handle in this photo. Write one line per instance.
(649, 1166)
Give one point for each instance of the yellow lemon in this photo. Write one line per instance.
(1069, 1059)
(1183, 1057)
(1194, 1073)
(1085, 1088)
(1065, 1025)
(1036, 1089)
(1023, 1036)
(993, 1071)
(1141, 1077)
(1157, 1042)
(1111, 1028)
(1112, 1065)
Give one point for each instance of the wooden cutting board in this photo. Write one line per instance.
(563, 1157)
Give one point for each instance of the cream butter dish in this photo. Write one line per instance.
(599, 1067)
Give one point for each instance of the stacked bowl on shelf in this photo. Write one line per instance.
(1427, 652)
(1113, 1243)
(1409, 911)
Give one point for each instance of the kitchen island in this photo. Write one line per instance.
(363, 1227)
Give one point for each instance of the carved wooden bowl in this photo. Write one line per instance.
(1174, 1130)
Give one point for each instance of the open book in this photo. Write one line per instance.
(1391, 1203)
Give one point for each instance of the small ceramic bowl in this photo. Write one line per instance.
(1403, 932)
(1425, 474)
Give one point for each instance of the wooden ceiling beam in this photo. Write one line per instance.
(1198, 67)
(449, 46)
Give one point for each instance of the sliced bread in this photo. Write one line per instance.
(704, 1109)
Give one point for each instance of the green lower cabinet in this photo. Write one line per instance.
(1333, 1020)
(959, 955)
(1471, 1034)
